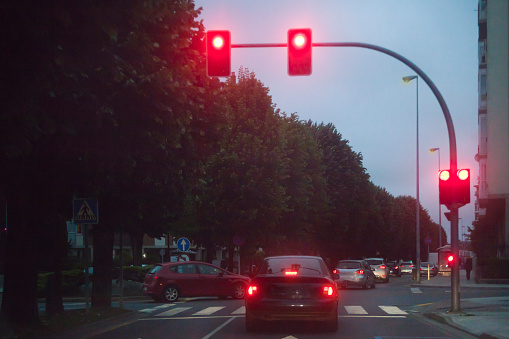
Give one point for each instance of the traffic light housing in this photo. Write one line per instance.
(454, 187)
(218, 53)
(299, 51)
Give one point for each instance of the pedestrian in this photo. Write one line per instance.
(468, 266)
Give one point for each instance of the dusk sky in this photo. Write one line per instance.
(361, 91)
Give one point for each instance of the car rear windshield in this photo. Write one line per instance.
(348, 265)
(374, 261)
(303, 266)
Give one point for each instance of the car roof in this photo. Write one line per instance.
(350, 260)
(374, 259)
(172, 263)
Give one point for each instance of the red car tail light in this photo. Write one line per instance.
(291, 273)
(410, 265)
(328, 291)
(359, 271)
(382, 267)
(252, 290)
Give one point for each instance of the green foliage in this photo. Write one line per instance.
(494, 268)
(71, 280)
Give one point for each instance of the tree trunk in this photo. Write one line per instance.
(103, 266)
(137, 246)
(19, 298)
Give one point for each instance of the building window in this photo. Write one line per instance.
(482, 52)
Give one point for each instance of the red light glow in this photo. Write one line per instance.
(444, 175)
(463, 174)
(382, 267)
(328, 290)
(218, 42)
(299, 40)
(360, 272)
(252, 290)
(291, 273)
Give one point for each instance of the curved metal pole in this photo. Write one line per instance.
(455, 299)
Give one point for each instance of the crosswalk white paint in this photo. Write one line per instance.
(415, 290)
(209, 310)
(241, 310)
(355, 310)
(174, 311)
(351, 310)
(393, 310)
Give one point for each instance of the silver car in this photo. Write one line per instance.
(380, 268)
(406, 267)
(355, 273)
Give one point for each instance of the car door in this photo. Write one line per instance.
(186, 278)
(214, 281)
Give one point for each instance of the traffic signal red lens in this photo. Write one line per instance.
(463, 174)
(218, 42)
(450, 258)
(444, 175)
(299, 40)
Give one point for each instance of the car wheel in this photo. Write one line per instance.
(171, 293)
(374, 284)
(366, 285)
(251, 324)
(238, 291)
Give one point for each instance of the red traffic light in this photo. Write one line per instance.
(299, 51)
(454, 187)
(451, 260)
(218, 52)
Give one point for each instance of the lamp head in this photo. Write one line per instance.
(432, 150)
(409, 78)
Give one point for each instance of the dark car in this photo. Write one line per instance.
(394, 268)
(294, 288)
(170, 281)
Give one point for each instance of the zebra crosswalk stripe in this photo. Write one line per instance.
(355, 310)
(393, 310)
(209, 310)
(173, 311)
(241, 310)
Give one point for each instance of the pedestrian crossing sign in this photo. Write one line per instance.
(85, 211)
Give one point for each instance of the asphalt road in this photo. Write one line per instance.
(388, 311)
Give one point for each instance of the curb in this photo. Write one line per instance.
(446, 321)
(497, 287)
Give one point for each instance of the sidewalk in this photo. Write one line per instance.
(481, 317)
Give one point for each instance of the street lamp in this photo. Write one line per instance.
(432, 150)
(417, 203)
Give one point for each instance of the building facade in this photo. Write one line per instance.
(492, 189)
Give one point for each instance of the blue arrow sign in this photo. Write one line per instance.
(183, 244)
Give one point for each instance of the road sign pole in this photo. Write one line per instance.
(85, 242)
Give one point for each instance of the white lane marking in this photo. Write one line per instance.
(392, 310)
(209, 310)
(415, 290)
(173, 312)
(153, 309)
(218, 329)
(355, 310)
(241, 310)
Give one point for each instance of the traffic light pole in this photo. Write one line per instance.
(455, 300)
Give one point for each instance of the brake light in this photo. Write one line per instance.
(410, 265)
(396, 267)
(335, 272)
(328, 291)
(360, 272)
(252, 290)
(382, 266)
(291, 273)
